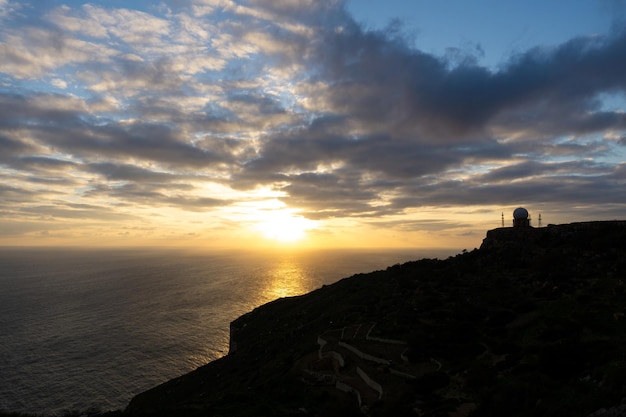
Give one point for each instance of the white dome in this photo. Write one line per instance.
(520, 213)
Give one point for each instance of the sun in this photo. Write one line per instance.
(284, 226)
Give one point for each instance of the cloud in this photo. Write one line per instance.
(396, 114)
(157, 195)
(8, 8)
(11, 147)
(31, 52)
(367, 75)
(116, 107)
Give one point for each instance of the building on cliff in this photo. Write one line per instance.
(521, 218)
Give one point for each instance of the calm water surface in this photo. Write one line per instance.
(88, 329)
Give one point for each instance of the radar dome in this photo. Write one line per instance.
(520, 213)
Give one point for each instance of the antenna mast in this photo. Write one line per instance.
(502, 219)
(539, 224)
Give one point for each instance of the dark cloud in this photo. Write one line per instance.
(20, 111)
(12, 149)
(9, 193)
(157, 195)
(557, 189)
(158, 143)
(44, 162)
(331, 195)
(529, 169)
(128, 172)
(394, 113)
(372, 76)
(298, 97)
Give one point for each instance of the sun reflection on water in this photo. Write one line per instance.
(286, 279)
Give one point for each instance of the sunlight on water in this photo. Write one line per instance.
(90, 329)
(286, 279)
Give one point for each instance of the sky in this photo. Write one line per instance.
(307, 123)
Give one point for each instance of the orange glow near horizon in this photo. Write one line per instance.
(265, 222)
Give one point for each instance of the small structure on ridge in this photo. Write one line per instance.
(520, 217)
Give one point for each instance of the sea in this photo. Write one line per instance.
(84, 330)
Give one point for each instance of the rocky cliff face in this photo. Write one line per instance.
(531, 324)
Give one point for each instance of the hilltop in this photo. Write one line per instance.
(530, 324)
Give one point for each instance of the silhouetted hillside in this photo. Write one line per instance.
(530, 324)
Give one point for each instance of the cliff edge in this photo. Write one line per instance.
(530, 324)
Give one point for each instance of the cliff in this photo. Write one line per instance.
(530, 324)
(596, 236)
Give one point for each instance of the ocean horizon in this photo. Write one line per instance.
(87, 329)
